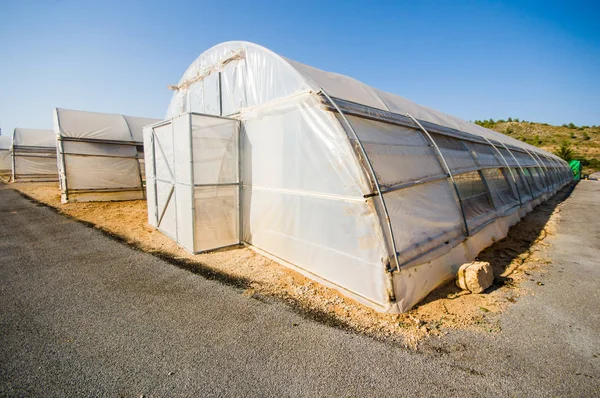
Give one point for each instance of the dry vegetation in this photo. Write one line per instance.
(585, 140)
(518, 257)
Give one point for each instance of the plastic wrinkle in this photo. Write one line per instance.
(285, 177)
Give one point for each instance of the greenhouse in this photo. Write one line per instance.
(34, 155)
(359, 189)
(5, 158)
(100, 155)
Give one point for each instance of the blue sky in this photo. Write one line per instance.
(536, 60)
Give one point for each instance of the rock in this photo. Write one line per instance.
(475, 276)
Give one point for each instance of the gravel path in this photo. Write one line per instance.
(81, 314)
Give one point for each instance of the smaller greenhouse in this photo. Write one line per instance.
(34, 155)
(100, 155)
(5, 158)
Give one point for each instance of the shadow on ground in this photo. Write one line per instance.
(515, 248)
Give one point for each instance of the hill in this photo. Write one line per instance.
(584, 140)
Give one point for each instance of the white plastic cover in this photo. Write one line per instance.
(303, 198)
(34, 138)
(251, 75)
(308, 194)
(194, 199)
(5, 158)
(91, 157)
(34, 153)
(350, 89)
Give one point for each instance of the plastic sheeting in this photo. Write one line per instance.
(99, 155)
(34, 138)
(5, 158)
(311, 170)
(250, 76)
(193, 182)
(34, 155)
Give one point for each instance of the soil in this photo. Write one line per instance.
(518, 257)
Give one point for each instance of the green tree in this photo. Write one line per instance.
(565, 151)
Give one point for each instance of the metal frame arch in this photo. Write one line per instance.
(536, 160)
(509, 170)
(522, 170)
(445, 166)
(372, 177)
(139, 166)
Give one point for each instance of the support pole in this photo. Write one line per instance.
(446, 168)
(520, 167)
(373, 177)
(539, 166)
(509, 170)
(154, 139)
(220, 95)
(12, 152)
(192, 188)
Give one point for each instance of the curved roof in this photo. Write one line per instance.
(34, 138)
(100, 126)
(270, 76)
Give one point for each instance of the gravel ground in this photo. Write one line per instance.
(81, 314)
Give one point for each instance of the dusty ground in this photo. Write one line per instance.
(518, 257)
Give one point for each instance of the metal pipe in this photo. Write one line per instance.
(89, 155)
(372, 177)
(153, 139)
(139, 167)
(164, 210)
(538, 163)
(192, 191)
(102, 141)
(409, 184)
(509, 170)
(396, 119)
(12, 151)
(444, 164)
(220, 95)
(489, 195)
(240, 193)
(124, 189)
(174, 177)
(520, 167)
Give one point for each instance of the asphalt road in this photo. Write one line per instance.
(81, 314)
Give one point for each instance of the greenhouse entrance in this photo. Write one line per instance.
(193, 182)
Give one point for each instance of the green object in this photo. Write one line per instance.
(576, 167)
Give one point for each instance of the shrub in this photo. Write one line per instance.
(565, 151)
